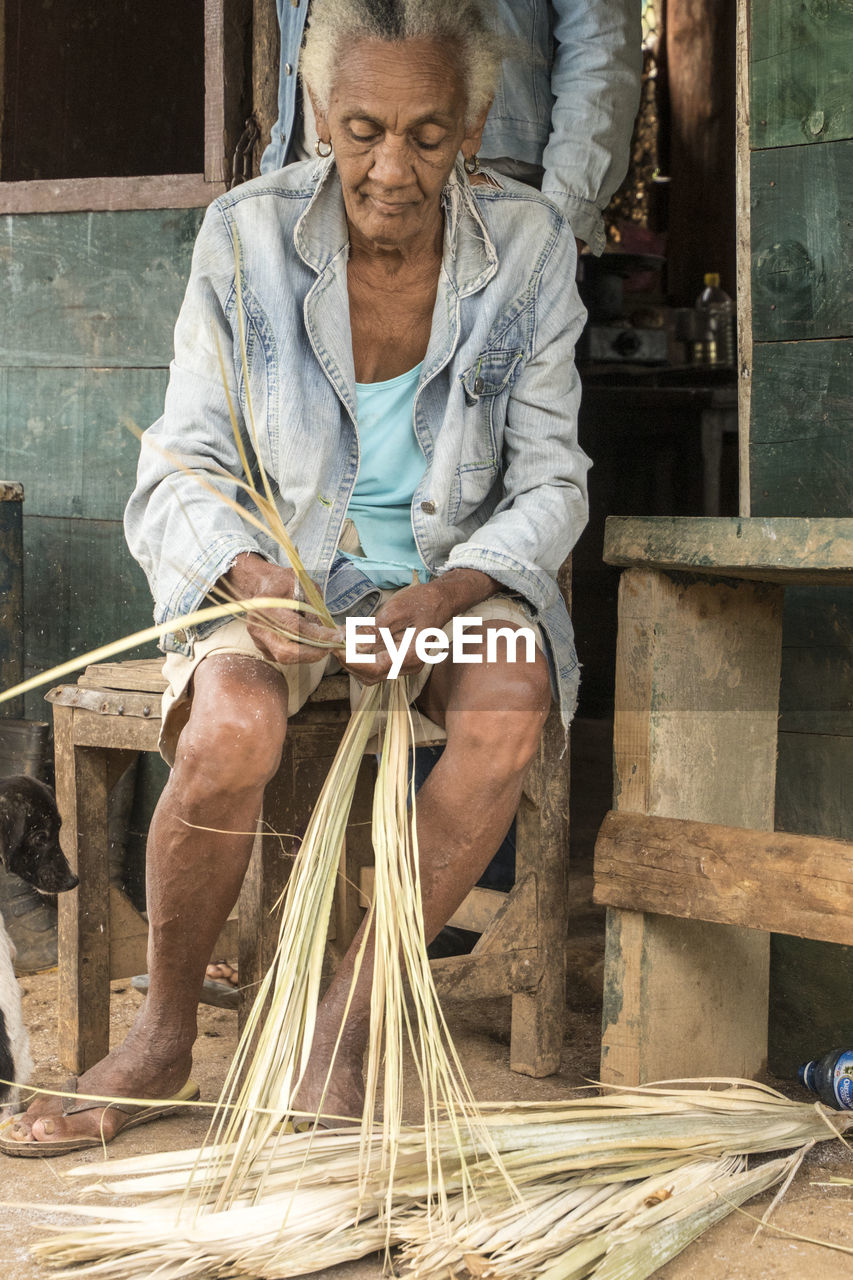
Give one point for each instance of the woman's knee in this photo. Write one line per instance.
(233, 739)
(504, 733)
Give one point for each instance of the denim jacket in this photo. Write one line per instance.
(571, 107)
(504, 489)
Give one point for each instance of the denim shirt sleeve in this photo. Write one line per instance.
(544, 506)
(182, 534)
(595, 80)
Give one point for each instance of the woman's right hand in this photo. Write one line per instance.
(252, 577)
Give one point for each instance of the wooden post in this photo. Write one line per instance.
(226, 26)
(700, 54)
(265, 59)
(744, 255)
(11, 592)
(542, 847)
(697, 686)
(82, 791)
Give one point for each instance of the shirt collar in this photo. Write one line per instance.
(470, 257)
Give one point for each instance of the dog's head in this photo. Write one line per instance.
(29, 835)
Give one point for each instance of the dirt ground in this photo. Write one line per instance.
(32, 1191)
(727, 1252)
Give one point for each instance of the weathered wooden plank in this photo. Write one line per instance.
(823, 467)
(802, 242)
(145, 675)
(265, 61)
(79, 419)
(114, 733)
(2, 78)
(801, 435)
(226, 27)
(761, 549)
(82, 589)
(700, 67)
(811, 981)
(11, 593)
(84, 922)
(465, 978)
(815, 772)
(697, 677)
(742, 252)
(100, 195)
(107, 702)
(802, 391)
(542, 855)
(817, 686)
(793, 884)
(97, 290)
(801, 55)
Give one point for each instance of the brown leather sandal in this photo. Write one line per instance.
(136, 1114)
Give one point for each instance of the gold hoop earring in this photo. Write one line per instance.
(324, 155)
(472, 164)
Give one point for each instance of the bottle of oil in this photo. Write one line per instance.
(831, 1078)
(719, 312)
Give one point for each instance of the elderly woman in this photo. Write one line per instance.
(410, 329)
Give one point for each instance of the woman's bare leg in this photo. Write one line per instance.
(493, 716)
(226, 754)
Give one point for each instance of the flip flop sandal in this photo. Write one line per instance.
(212, 992)
(136, 1115)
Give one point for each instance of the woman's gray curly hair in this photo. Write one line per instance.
(465, 26)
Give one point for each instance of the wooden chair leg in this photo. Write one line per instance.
(697, 689)
(288, 803)
(357, 855)
(538, 1019)
(82, 790)
(272, 859)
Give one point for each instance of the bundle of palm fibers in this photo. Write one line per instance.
(274, 1050)
(607, 1187)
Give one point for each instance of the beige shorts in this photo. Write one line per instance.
(303, 678)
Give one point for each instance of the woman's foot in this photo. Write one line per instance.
(222, 971)
(132, 1071)
(336, 1098)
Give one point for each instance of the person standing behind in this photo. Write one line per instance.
(561, 119)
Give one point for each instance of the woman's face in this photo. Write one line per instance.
(396, 120)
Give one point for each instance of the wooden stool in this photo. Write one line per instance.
(688, 864)
(113, 713)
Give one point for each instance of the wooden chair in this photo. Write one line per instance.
(688, 864)
(113, 713)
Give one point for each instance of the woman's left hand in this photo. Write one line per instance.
(419, 607)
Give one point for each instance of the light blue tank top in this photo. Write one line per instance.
(391, 466)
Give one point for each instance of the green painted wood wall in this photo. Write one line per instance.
(801, 447)
(89, 306)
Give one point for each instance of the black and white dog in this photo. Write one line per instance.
(29, 847)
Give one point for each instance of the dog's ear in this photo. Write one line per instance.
(13, 826)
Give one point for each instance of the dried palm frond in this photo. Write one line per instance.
(210, 613)
(578, 1214)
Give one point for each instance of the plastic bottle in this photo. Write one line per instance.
(831, 1078)
(719, 311)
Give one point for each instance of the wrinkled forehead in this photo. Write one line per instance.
(399, 83)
